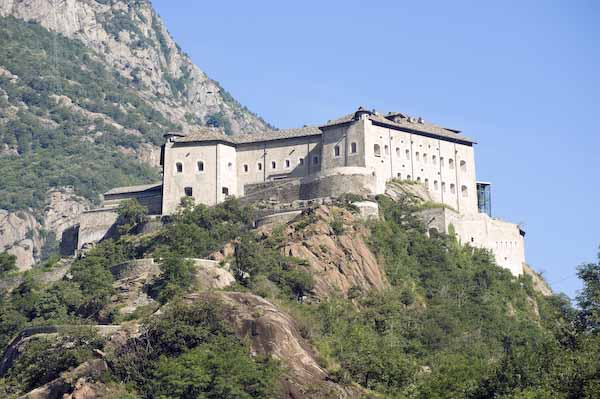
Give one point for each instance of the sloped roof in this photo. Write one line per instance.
(403, 122)
(207, 134)
(132, 189)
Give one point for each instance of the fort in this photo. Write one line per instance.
(358, 153)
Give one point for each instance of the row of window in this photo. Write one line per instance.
(425, 158)
(436, 186)
(507, 244)
(353, 149)
(259, 165)
(189, 191)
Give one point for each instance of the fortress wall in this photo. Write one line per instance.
(502, 238)
(339, 181)
(286, 190)
(96, 225)
(293, 150)
(151, 200)
(331, 183)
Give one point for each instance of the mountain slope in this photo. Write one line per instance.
(84, 105)
(134, 40)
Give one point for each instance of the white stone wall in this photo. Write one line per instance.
(502, 238)
(219, 170)
(350, 143)
(294, 157)
(433, 162)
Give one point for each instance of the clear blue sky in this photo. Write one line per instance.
(522, 78)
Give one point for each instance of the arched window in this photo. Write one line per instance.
(434, 160)
(435, 185)
(316, 160)
(246, 168)
(353, 148)
(418, 179)
(179, 167)
(399, 176)
(336, 151)
(451, 163)
(398, 152)
(443, 187)
(188, 191)
(465, 191)
(230, 165)
(427, 183)
(452, 188)
(425, 158)
(463, 166)
(442, 162)
(377, 150)
(259, 165)
(386, 150)
(407, 177)
(417, 156)
(407, 152)
(273, 165)
(301, 161)
(200, 166)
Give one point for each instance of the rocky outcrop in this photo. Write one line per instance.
(335, 247)
(24, 234)
(131, 37)
(274, 333)
(539, 283)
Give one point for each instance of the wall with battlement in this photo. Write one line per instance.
(333, 183)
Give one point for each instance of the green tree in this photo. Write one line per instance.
(589, 297)
(8, 263)
(131, 213)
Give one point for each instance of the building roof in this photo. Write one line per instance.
(211, 134)
(394, 120)
(132, 189)
(402, 121)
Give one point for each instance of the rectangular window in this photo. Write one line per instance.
(316, 160)
(287, 163)
(353, 148)
(301, 161)
(246, 168)
(273, 165)
(225, 190)
(188, 191)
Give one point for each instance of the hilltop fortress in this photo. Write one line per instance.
(357, 153)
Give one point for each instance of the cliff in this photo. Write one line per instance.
(131, 38)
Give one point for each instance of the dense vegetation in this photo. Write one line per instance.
(45, 141)
(452, 324)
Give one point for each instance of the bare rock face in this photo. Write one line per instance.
(338, 260)
(131, 37)
(399, 189)
(274, 333)
(24, 235)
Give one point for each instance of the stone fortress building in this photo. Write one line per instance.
(358, 153)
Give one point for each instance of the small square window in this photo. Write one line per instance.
(225, 190)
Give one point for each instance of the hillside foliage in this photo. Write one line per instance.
(452, 323)
(66, 119)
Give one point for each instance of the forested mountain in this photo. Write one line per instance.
(87, 89)
(325, 306)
